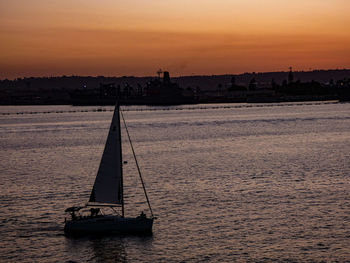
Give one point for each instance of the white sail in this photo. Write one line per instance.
(109, 182)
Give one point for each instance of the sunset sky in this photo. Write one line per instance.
(185, 37)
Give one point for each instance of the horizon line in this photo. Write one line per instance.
(175, 76)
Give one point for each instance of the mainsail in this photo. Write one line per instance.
(108, 186)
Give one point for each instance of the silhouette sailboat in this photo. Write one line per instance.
(108, 192)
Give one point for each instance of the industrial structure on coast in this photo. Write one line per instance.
(162, 90)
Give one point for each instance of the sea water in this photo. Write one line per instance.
(229, 182)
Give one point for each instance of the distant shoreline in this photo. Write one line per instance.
(317, 85)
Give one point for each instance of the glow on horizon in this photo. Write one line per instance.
(136, 37)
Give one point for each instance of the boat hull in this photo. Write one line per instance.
(109, 225)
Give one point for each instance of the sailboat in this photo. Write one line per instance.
(108, 194)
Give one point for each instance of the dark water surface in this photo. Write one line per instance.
(227, 182)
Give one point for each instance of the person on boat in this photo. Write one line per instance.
(142, 215)
(94, 211)
(74, 217)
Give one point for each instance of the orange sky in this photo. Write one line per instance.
(137, 37)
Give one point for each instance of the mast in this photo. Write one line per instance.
(137, 165)
(121, 163)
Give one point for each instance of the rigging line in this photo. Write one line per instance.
(137, 165)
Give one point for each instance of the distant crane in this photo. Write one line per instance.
(290, 75)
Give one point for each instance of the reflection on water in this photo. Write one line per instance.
(111, 249)
(227, 182)
(105, 249)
